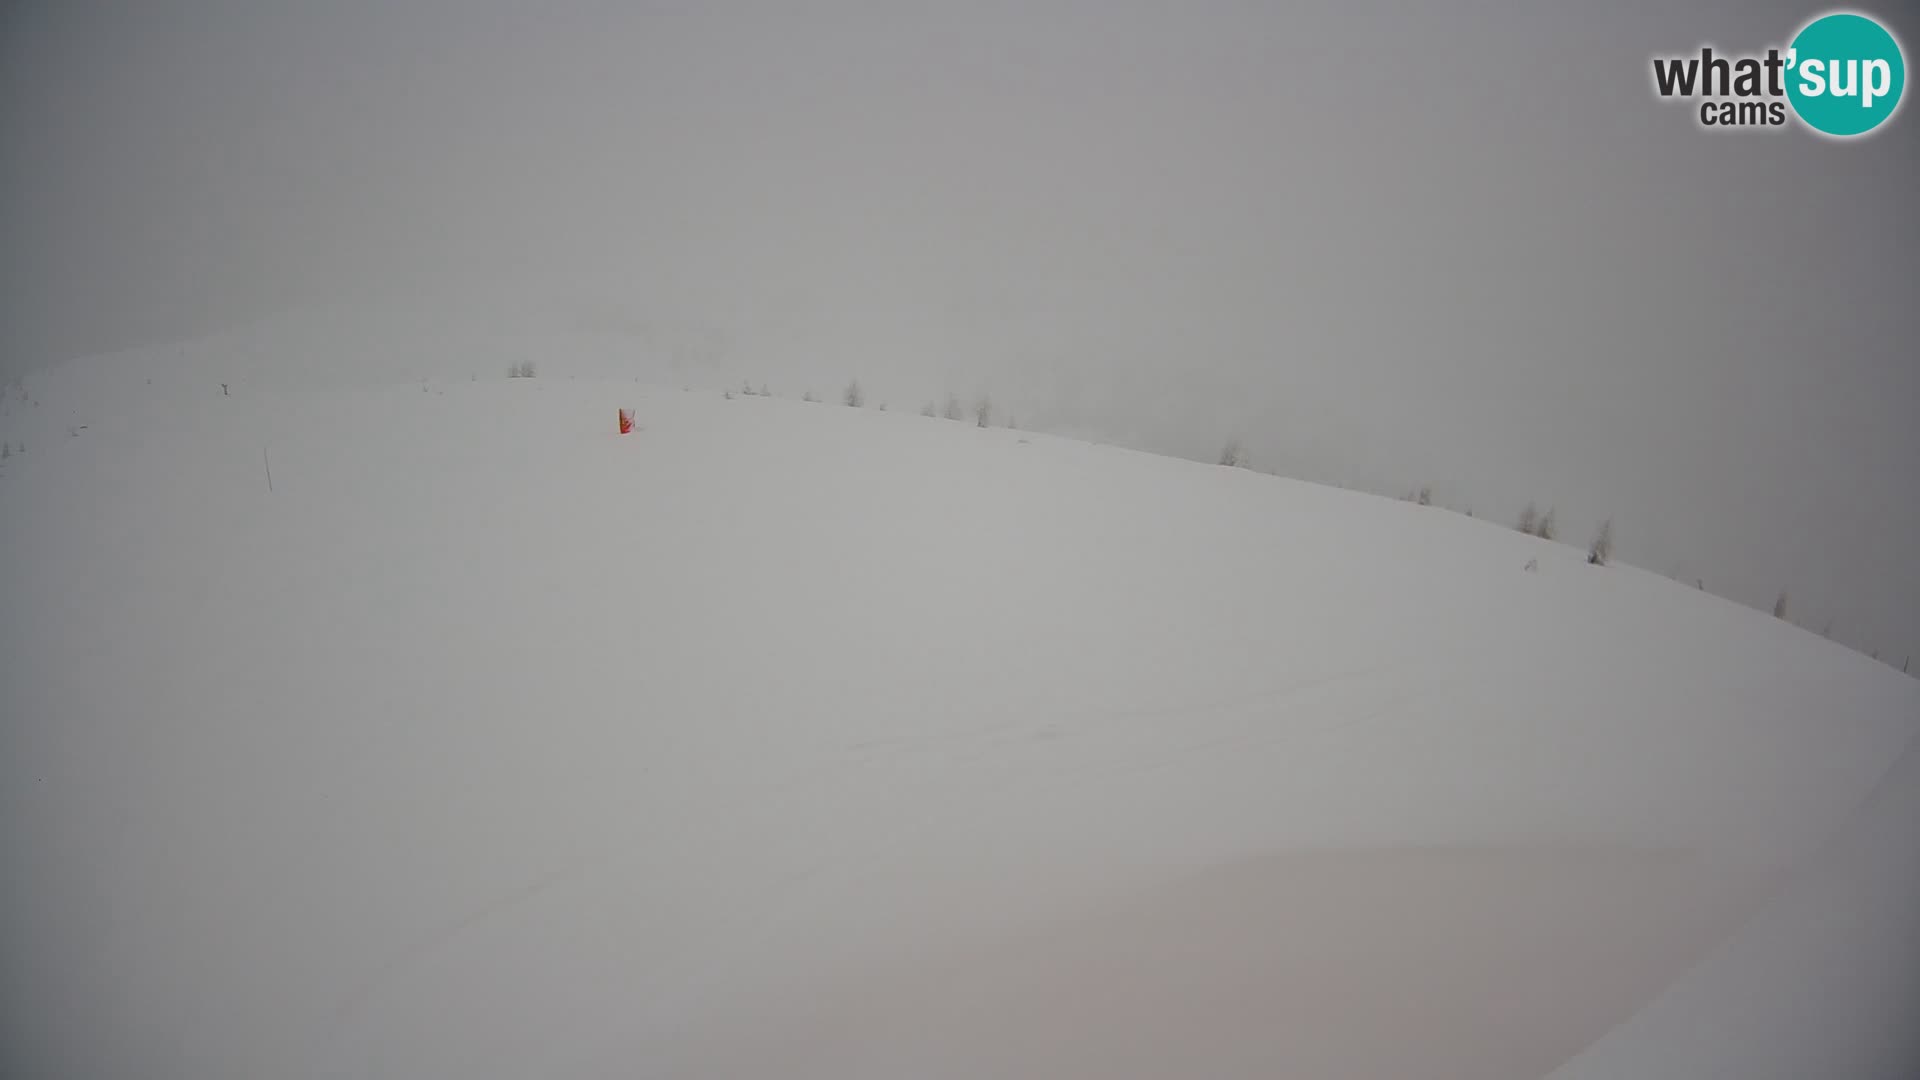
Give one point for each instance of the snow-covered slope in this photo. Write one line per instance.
(792, 740)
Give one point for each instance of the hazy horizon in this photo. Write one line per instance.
(1381, 247)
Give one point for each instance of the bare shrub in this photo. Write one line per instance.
(1602, 547)
(953, 410)
(1529, 519)
(927, 409)
(1545, 528)
(852, 395)
(1780, 606)
(983, 411)
(1230, 454)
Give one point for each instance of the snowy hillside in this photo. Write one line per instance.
(780, 739)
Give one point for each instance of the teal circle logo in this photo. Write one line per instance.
(1845, 74)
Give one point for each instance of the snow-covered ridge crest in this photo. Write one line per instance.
(793, 739)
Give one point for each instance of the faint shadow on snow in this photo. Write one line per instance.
(1482, 963)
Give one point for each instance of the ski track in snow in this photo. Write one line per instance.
(422, 949)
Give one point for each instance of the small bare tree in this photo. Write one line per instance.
(983, 411)
(746, 388)
(1529, 519)
(927, 409)
(1780, 606)
(853, 397)
(1602, 547)
(764, 392)
(953, 410)
(1230, 455)
(1424, 496)
(1545, 528)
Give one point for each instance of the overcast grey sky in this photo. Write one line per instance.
(1451, 243)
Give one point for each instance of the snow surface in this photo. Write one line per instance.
(792, 740)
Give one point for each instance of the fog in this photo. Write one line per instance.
(1383, 245)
